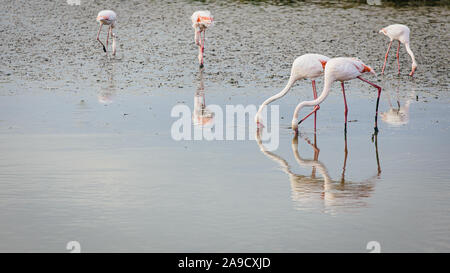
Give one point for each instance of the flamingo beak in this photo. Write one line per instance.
(101, 18)
(412, 71)
(368, 69)
(324, 63)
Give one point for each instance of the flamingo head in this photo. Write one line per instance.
(383, 31)
(414, 67)
(294, 125)
(102, 18)
(368, 69)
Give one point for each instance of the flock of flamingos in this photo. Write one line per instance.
(308, 66)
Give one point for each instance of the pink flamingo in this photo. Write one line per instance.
(107, 17)
(201, 20)
(401, 34)
(338, 69)
(308, 66)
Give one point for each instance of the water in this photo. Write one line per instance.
(87, 153)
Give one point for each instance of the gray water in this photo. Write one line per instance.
(87, 153)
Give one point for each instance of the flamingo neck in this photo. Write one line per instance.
(326, 90)
(277, 96)
(310, 163)
(408, 49)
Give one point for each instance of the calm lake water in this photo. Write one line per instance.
(87, 151)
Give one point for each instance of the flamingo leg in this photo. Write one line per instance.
(345, 159)
(202, 48)
(398, 60)
(316, 155)
(107, 37)
(386, 56)
(317, 107)
(315, 97)
(378, 101)
(98, 37)
(346, 108)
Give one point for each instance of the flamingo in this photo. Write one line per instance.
(201, 20)
(308, 66)
(107, 17)
(338, 69)
(401, 34)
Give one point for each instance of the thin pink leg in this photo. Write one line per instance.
(202, 48)
(98, 37)
(315, 97)
(398, 60)
(317, 107)
(386, 56)
(378, 100)
(345, 102)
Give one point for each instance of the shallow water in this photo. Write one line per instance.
(87, 153)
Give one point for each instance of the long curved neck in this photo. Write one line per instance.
(326, 90)
(310, 163)
(277, 96)
(408, 49)
(283, 163)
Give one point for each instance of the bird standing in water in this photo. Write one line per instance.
(338, 69)
(308, 66)
(107, 17)
(201, 20)
(401, 34)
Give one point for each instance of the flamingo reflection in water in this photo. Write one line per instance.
(107, 90)
(201, 115)
(312, 192)
(398, 114)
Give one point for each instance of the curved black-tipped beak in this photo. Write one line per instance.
(104, 48)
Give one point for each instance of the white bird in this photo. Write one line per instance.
(338, 69)
(107, 17)
(201, 20)
(401, 34)
(308, 66)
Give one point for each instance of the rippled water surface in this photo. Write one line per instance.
(87, 152)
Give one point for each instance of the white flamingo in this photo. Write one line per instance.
(401, 34)
(107, 17)
(338, 69)
(201, 20)
(308, 66)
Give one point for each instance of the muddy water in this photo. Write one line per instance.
(87, 153)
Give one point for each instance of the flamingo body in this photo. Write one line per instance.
(400, 33)
(345, 69)
(202, 19)
(308, 66)
(107, 17)
(397, 32)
